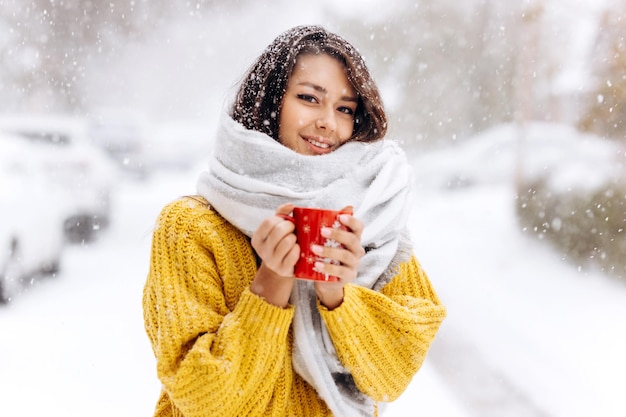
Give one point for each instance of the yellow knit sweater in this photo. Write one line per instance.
(223, 351)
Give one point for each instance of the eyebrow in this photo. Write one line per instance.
(324, 91)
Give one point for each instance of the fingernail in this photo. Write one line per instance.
(319, 266)
(343, 218)
(325, 231)
(316, 249)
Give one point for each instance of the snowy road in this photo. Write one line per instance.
(526, 334)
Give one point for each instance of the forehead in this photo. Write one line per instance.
(322, 69)
(322, 65)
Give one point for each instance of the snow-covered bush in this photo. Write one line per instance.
(586, 224)
(570, 186)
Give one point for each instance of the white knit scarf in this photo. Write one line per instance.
(250, 174)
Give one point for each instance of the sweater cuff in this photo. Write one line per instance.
(261, 318)
(349, 308)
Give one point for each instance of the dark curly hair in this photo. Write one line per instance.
(259, 98)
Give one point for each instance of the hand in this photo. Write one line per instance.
(275, 243)
(348, 257)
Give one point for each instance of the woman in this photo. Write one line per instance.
(233, 332)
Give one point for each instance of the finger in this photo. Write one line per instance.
(284, 212)
(286, 254)
(284, 246)
(344, 273)
(269, 235)
(265, 228)
(280, 231)
(352, 223)
(337, 255)
(280, 254)
(347, 210)
(284, 209)
(275, 242)
(349, 239)
(292, 257)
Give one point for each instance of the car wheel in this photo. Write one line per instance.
(81, 228)
(11, 274)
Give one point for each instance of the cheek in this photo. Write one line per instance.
(345, 130)
(291, 126)
(290, 119)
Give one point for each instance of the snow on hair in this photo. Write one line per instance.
(258, 101)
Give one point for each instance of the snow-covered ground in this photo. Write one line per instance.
(74, 345)
(527, 335)
(552, 336)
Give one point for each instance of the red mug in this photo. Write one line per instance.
(309, 223)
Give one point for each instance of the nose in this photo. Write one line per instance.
(326, 120)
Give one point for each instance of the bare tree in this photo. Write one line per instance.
(606, 103)
(447, 69)
(51, 43)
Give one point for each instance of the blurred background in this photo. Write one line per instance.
(511, 113)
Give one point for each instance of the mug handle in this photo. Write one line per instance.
(287, 217)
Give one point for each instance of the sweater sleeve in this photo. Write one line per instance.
(212, 359)
(382, 337)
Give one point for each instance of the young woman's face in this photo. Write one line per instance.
(317, 114)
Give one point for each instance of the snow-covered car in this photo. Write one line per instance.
(82, 171)
(33, 210)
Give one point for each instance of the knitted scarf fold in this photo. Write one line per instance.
(250, 174)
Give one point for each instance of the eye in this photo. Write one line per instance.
(307, 98)
(346, 110)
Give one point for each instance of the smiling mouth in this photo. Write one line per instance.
(318, 144)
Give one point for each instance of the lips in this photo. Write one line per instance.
(317, 145)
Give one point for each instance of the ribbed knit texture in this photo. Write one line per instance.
(223, 351)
